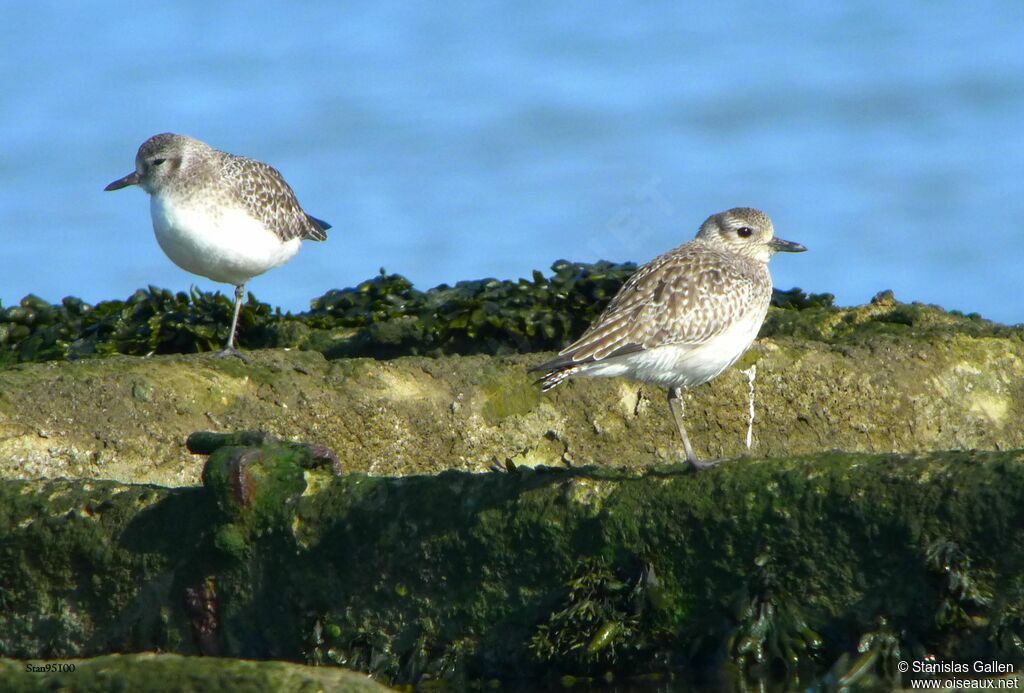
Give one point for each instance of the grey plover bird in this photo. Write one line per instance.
(684, 317)
(221, 216)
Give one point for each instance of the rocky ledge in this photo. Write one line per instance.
(885, 377)
(832, 564)
(436, 518)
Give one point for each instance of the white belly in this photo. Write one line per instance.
(681, 365)
(223, 244)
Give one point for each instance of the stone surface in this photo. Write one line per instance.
(771, 568)
(168, 672)
(871, 387)
(381, 546)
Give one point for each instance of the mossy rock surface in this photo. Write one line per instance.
(884, 377)
(891, 390)
(169, 672)
(773, 568)
(384, 548)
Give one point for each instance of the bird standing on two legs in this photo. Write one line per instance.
(684, 317)
(221, 216)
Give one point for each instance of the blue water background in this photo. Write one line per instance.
(450, 141)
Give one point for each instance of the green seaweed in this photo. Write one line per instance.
(596, 622)
(772, 638)
(772, 569)
(151, 321)
(383, 317)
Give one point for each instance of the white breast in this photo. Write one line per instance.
(224, 244)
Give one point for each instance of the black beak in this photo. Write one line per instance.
(781, 246)
(131, 179)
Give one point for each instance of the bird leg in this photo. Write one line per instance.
(229, 348)
(239, 295)
(675, 403)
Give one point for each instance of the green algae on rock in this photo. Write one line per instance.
(777, 568)
(894, 387)
(170, 672)
(383, 317)
(255, 481)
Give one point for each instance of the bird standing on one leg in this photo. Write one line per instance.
(218, 215)
(684, 317)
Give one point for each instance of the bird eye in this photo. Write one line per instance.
(745, 232)
(157, 162)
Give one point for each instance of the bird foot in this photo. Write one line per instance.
(228, 352)
(701, 465)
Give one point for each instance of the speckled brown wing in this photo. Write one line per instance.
(694, 303)
(264, 192)
(687, 296)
